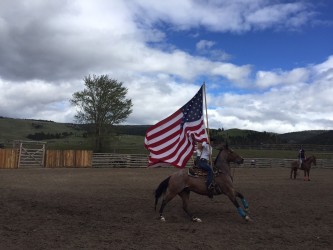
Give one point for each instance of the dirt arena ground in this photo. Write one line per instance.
(114, 209)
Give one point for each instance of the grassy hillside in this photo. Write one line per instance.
(122, 139)
(130, 138)
(20, 129)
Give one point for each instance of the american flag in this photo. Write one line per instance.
(170, 141)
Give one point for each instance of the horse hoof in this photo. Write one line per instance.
(162, 218)
(196, 219)
(248, 219)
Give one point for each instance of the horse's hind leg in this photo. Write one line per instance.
(293, 171)
(185, 195)
(168, 197)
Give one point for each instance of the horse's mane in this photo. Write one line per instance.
(220, 150)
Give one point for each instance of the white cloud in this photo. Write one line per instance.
(230, 15)
(291, 105)
(204, 44)
(266, 79)
(287, 15)
(47, 51)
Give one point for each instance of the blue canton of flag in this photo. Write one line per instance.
(193, 109)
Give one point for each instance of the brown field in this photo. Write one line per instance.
(114, 209)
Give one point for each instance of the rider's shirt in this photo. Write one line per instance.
(198, 152)
(301, 154)
(206, 151)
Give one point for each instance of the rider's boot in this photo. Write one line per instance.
(210, 190)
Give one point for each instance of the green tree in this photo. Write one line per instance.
(101, 104)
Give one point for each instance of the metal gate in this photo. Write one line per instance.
(31, 153)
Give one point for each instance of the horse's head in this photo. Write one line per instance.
(228, 155)
(233, 156)
(314, 160)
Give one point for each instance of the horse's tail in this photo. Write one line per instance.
(161, 190)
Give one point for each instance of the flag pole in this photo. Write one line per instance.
(204, 88)
(204, 85)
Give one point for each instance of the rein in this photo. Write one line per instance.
(233, 173)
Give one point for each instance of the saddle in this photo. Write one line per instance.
(196, 172)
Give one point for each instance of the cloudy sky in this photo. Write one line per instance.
(267, 64)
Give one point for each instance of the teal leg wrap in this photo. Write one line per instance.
(241, 212)
(245, 204)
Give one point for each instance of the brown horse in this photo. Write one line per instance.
(182, 183)
(306, 166)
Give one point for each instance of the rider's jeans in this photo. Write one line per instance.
(203, 164)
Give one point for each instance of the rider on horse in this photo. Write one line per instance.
(301, 156)
(206, 152)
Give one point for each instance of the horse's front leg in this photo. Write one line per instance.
(307, 178)
(232, 196)
(305, 175)
(185, 195)
(243, 200)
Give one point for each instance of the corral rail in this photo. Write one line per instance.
(83, 158)
(141, 160)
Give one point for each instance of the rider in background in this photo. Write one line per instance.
(206, 152)
(301, 156)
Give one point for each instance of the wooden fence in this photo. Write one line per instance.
(141, 160)
(275, 162)
(291, 147)
(68, 159)
(119, 160)
(9, 158)
(86, 159)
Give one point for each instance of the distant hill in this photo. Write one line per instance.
(325, 138)
(250, 137)
(131, 129)
(319, 137)
(29, 129)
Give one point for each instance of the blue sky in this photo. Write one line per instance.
(267, 65)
